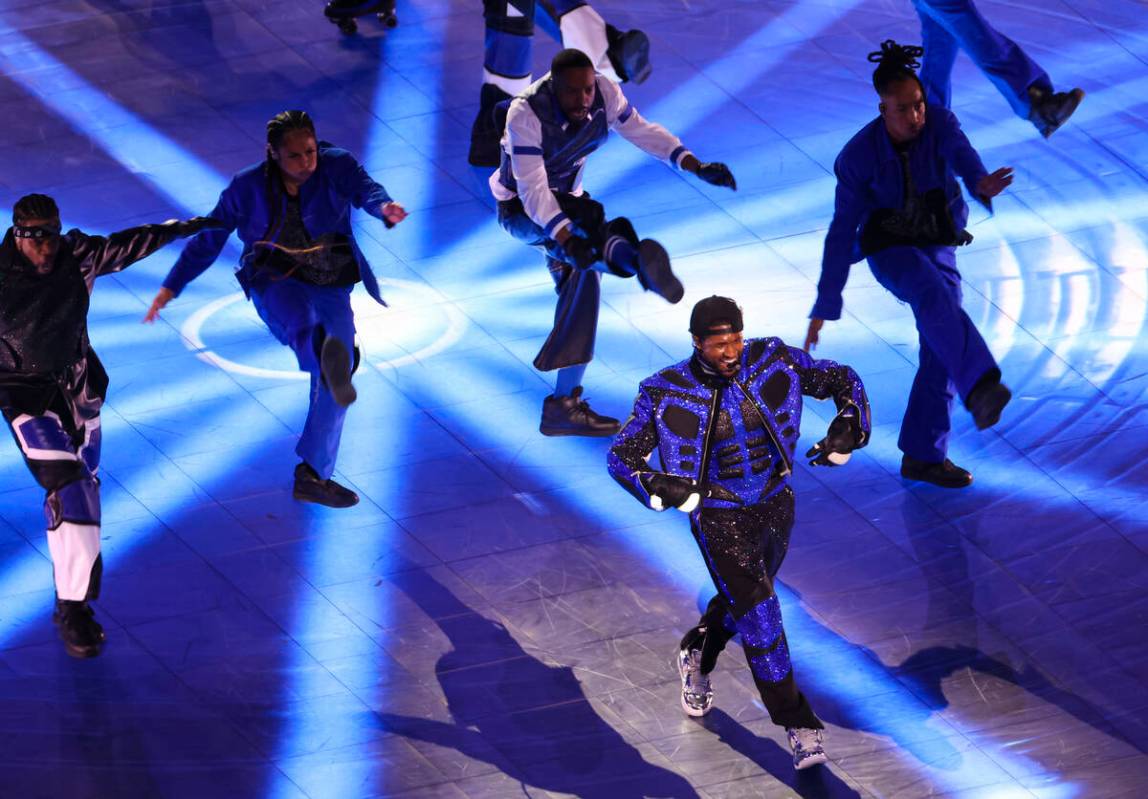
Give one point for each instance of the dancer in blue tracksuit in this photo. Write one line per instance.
(299, 263)
(52, 386)
(551, 129)
(725, 423)
(507, 59)
(951, 25)
(899, 205)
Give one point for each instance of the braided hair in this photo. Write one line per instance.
(285, 122)
(34, 206)
(895, 63)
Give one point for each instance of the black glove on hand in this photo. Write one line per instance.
(580, 252)
(716, 173)
(842, 438)
(670, 491)
(190, 227)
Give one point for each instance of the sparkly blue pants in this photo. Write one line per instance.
(951, 25)
(744, 548)
(299, 315)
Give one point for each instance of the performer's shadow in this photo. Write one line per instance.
(529, 719)
(916, 690)
(776, 760)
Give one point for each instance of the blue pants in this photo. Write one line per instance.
(300, 315)
(510, 30)
(949, 25)
(953, 355)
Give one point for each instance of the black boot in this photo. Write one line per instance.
(987, 400)
(76, 624)
(572, 416)
(335, 364)
(486, 132)
(629, 54)
(945, 474)
(655, 274)
(309, 487)
(1050, 110)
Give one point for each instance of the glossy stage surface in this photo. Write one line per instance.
(497, 618)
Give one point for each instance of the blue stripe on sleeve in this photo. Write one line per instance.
(554, 223)
(627, 112)
(676, 154)
(527, 150)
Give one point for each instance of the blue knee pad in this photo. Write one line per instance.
(43, 437)
(77, 502)
(764, 639)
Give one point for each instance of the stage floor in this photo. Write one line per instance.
(497, 618)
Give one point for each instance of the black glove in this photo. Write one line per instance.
(716, 173)
(189, 227)
(670, 491)
(580, 252)
(843, 437)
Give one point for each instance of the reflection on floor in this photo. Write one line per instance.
(497, 618)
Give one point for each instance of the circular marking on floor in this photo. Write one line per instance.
(428, 328)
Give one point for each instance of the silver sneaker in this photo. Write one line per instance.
(697, 693)
(808, 747)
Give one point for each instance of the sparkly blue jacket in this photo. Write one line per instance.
(736, 438)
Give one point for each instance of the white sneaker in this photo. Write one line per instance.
(808, 747)
(697, 693)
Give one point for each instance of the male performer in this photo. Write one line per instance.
(725, 423)
(551, 129)
(899, 205)
(300, 262)
(507, 59)
(52, 385)
(951, 25)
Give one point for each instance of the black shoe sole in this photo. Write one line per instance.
(82, 653)
(920, 478)
(656, 274)
(335, 12)
(335, 363)
(578, 431)
(315, 499)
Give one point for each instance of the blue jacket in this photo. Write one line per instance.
(247, 205)
(745, 453)
(869, 177)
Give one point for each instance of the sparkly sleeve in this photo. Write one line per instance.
(822, 379)
(629, 456)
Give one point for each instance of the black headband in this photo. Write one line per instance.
(35, 231)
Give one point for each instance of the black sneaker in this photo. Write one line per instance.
(986, 402)
(629, 54)
(572, 416)
(1050, 110)
(945, 474)
(655, 274)
(335, 363)
(76, 624)
(486, 132)
(309, 487)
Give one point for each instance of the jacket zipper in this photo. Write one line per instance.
(703, 478)
(768, 429)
